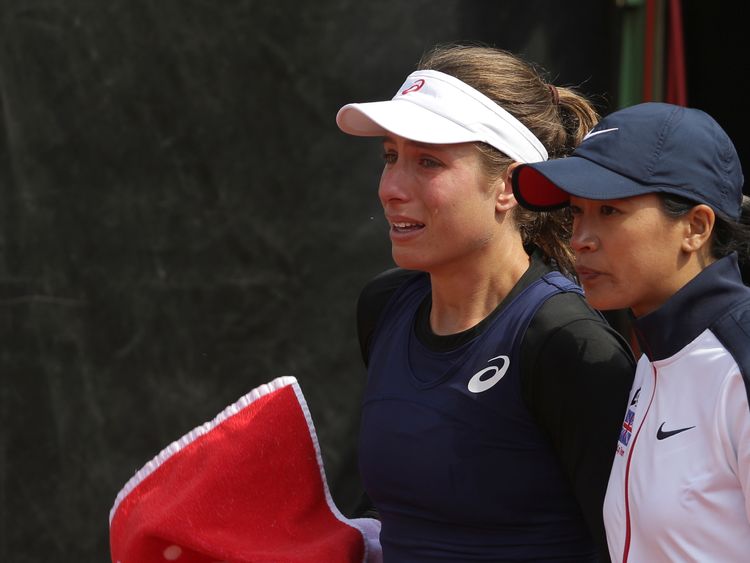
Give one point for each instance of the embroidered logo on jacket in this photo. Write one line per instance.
(627, 425)
(478, 385)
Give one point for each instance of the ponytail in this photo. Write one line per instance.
(577, 116)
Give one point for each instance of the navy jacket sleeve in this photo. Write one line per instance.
(577, 373)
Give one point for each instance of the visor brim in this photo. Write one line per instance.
(404, 119)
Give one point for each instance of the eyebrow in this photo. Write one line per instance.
(611, 200)
(431, 146)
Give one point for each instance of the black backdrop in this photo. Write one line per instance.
(181, 221)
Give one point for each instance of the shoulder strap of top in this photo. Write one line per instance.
(562, 282)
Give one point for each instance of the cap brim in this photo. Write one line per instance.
(543, 186)
(402, 118)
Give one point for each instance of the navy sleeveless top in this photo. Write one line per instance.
(448, 452)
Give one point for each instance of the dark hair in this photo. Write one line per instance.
(558, 116)
(728, 235)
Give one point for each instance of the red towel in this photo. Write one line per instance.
(246, 487)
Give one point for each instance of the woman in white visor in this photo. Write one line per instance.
(494, 395)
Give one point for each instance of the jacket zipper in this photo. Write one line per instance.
(626, 549)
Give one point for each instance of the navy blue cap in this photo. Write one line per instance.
(647, 148)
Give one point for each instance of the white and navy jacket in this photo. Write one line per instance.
(680, 483)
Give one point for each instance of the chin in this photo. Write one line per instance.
(602, 302)
(408, 262)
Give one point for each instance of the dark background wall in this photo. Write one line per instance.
(181, 221)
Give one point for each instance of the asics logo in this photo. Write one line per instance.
(595, 133)
(414, 87)
(477, 384)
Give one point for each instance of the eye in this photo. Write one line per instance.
(389, 157)
(608, 210)
(575, 210)
(428, 162)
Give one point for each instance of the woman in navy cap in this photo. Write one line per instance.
(659, 223)
(492, 406)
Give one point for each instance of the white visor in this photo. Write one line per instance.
(436, 108)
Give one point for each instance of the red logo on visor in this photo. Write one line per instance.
(414, 87)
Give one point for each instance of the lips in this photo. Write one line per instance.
(403, 224)
(586, 274)
(406, 226)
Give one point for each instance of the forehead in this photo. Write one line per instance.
(391, 139)
(637, 201)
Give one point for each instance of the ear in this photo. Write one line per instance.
(699, 224)
(505, 198)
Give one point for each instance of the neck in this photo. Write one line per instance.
(692, 265)
(460, 302)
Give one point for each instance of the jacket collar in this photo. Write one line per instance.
(667, 330)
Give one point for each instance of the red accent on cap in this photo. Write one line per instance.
(538, 191)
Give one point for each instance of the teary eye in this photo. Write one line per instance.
(429, 162)
(389, 157)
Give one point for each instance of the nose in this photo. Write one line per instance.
(584, 238)
(393, 185)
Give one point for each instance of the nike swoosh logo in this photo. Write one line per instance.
(478, 385)
(595, 133)
(661, 434)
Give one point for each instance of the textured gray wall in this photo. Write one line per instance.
(181, 221)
